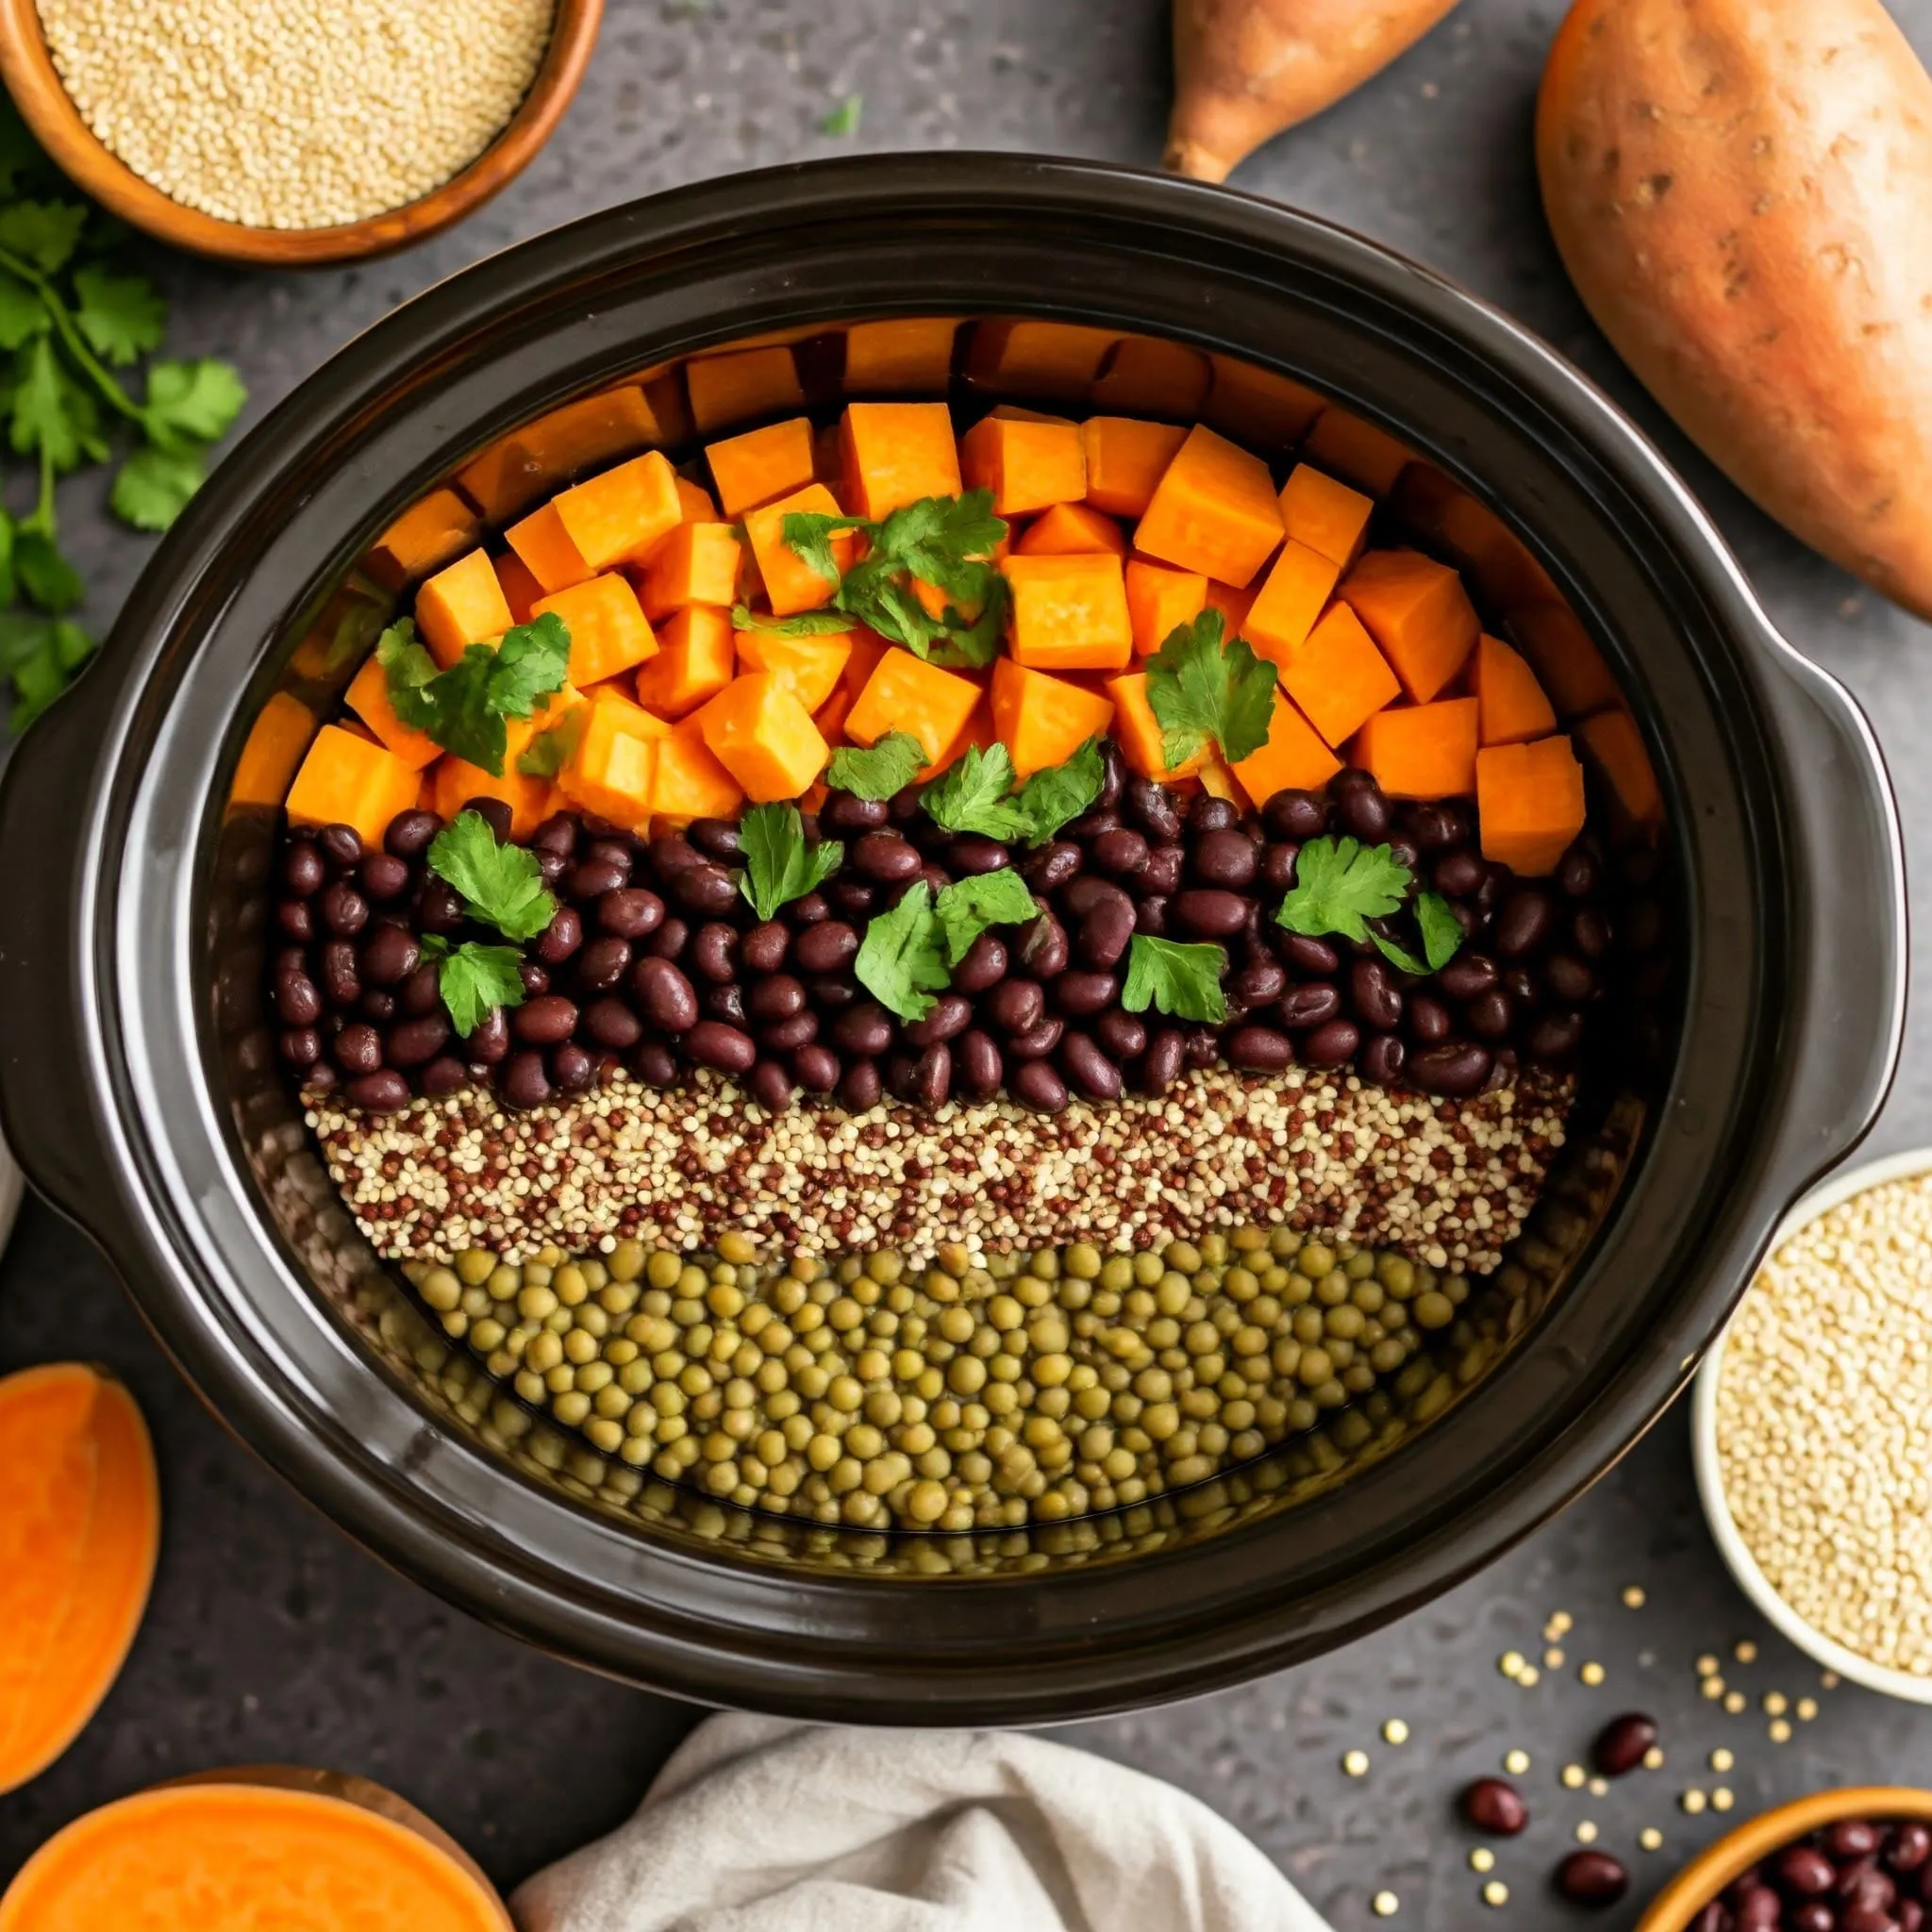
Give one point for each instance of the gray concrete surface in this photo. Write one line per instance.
(272, 1638)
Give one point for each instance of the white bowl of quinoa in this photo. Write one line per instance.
(1808, 1429)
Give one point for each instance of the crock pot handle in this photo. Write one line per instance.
(1848, 877)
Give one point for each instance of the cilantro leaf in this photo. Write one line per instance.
(974, 795)
(900, 960)
(808, 535)
(1059, 795)
(153, 486)
(550, 751)
(1441, 932)
(1202, 688)
(968, 905)
(121, 316)
(463, 708)
(22, 313)
(943, 541)
(53, 416)
(844, 119)
(532, 663)
(888, 767)
(500, 884)
(1340, 882)
(779, 865)
(474, 980)
(45, 577)
(43, 232)
(1181, 981)
(196, 400)
(801, 623)
(39, 655)
(1397, 955)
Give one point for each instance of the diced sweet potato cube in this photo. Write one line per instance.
(1043, 721)
(1260, 406)
(519, 734)
(1072, 529)
(741, 384)
(1337, 676)
(905, 353)
(536, 457)
(690, 783)
(459, 606)
(1565, 658)
(1615, 746)
(1417, 612)
(368, 697)
(1529, 799)
(429, 534)
(761, 465)
(1038, 358)
(612, 774)
(1069, 613)
(831, 715)
(348, 780)
(759, 731)
(1218, 780)
(1293, 759)
(1125, 459)
(1147, 372)
(458, 783)
(906, 693)
(1511, 707)
(1136, 731)
(1370, 458)
(622, 513)
(811, 665)
(521, 588)
(1213, 511)
(1327, 516)
(272, 751)
(792, 584)
(696, 501)
(1422, 750)
(895, 453)
(693, 662)
(1291, 601)
(1159, 601)
(1234, 606)
(698, 563)
(976, 731)
(1027, 465)
(546, 550)
(608, 633)
(868, 647)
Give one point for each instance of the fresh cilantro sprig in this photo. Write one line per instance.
(1205, 690)
(968, 907)
(463, 708)
(1340, 883)
(943, 541)
(975, 795)
(779, 865)
(879, 770)
(1060, 794)
(550, 751)
(474, 980)
(907, 950)
(501, 885)
(1181, 981)
(1442, 937)
(70, 314)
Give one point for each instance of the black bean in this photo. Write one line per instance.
(1312, 956)
(978, 1067)
(1223, 857)
(1037, 1086)
(1203, 1047)
(1333, 1045)
(321, 1078)
(602, 964)
(495, 813)
(670, 856)
(1043, 949)
(384, 877)
(1087, 1068)
(1296, 815)
(937, 880)
(295, 919)
(1524, 923)
(1489, 895)
(1494, 1806)
(714, 952)
(1106, 930)
(1259, 983)
(288, 959)
(1121, 1035)
(1458, 873)
(572, 1068)
(1621, 1744)
(984, 965)
(951, 1013)
(524, 1080)
(1260, 1049)
(1436, 826)
(969, 855)
(301, 1046)
(610, 849)
(591, 878)
(1489, 1014)
(1208, 912)
(706, 888)
(303, 870)
(411, 833)
(442, 1076)
(1150, 915)
(850, 896)
(860, 1087)
(561, 937)
(1037, 1041)
(1161, 1066)
(846, 811)
(1568, 978)
(342, 909)
(611, 1025)
(1554, 1038)
(1591, 1878)
(1454, 1071)
(1079, 994)
(377, 1004)
(724, 1002)
(1467, 975)
(778, 997)
(764, 947)
(389, 955)
(341, 845)
(1590, 932)
(1080, 895)
(931, 1078)
(654, 1063)
(384, 1091)
(1149, 805)
(865, 1028)
(415, 1043)
(1360, 807)
(1277, 869)
(665, 995)
(669, 941)
(1113, 774)
(715, 838)
(1374, 994)
(905, 805)
(297, 999)
(1577, 872)
(884, 857)
(1052, 866)
(1210, 814)
(831, 994)
(1520, 985)
(1313, 1004)
(336, 970)
(558, 833)
(826, 947)
(815, 1067)
(422, 991)
(1382, 1059)
(629, 912)
(784, 1035)
(771, 1086)
(357, 1049)
(1121, 852)
(723, 1048)
(1092, 825)
(1016, 1005)
(439, 907)
(536, 978)
(1912, 1845)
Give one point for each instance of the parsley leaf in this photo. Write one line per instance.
(1057, 796)
(888, 767)
(808, 535)
(900, 960)
(500, 884)
(968, 905)
(43, 232)
(121, 316)
(974, 795)
(801, 623)
(1340, 882)
(53, 417)
(779, 866)
(44, 577)
(550, 751)
(1397, 955)
(463, 708)
(195, 400)
(39, 655)
(154, 485)
(23, 314)
(1441, 932)
(844, 119)
(1201, 688)
(474, 980)
(1180, 980)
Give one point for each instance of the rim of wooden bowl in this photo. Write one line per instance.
(1733, 1854)
(27, 70)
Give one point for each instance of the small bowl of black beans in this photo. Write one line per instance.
(1857, 1859)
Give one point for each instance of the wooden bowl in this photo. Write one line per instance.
(1673, 1908)
(27, 69)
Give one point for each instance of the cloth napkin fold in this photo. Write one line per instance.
(758, 1825)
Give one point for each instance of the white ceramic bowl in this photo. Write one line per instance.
(1855, 1669)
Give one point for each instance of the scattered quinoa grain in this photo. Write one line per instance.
(1650, 1838)
(1591, 1674)
(1633, 1597)
(1516, 1762)
(1481, 1859)
(1354, 1763)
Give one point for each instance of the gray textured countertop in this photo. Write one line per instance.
(270, 1637)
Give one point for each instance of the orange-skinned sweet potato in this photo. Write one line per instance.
(1742, 191)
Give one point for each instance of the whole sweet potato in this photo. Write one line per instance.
(1741, 191)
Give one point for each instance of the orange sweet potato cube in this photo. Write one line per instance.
(831, 715)
(1422, 750)
(545, 547)
(1293, 759)
(272, 751)
(761, 465)
(742, 383)
(521, 588)
(1530, 798)
(906, 693)
(461, 606)
(607, 631)
(895, 453)
(612, 774)
(348, 780)
(759, 731)
(1125, 461)
(1219, 781)
(698, 563)
(792, 584)
(1512, 707)
(368, 697)
(868, 647)
(812, 666)
(690, 783)
(906, 353)
(1043, 721)
(1337, 676)
(1615, 747)
(1292, 600)
(1069, 613)
(1072, 529)
(1159, 601)
(1137, 730)
(458, 783)
(693, 662)
(1027, 464)
(1417, 612)
(1214, 510)
(622, 513)
(432, 532)
(1330, 517)
(977, 731)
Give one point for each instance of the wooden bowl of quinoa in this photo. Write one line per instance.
(1811, 1451)
(293, 133)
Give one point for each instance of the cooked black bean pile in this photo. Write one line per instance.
(1857, 1876)
(654, 960)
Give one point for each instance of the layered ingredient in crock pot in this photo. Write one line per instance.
(909, 977)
